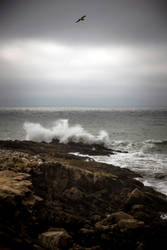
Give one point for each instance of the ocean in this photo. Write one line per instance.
(140, 133)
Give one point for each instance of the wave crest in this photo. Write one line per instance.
(64, 133)
(155, 146)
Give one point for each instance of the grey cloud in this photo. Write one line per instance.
(108, 20)
(104, 94)
(138, 25)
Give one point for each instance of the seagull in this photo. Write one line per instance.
(81, 19)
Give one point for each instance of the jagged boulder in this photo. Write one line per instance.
(121, 220)
(55, 239)
(17, 203)
(147, 197)
(129, 224)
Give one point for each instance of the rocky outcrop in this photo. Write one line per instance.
(50, 199)
(17, 204)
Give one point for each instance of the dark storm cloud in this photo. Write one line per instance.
(107, 21)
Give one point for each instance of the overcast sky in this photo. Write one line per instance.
(117, 57)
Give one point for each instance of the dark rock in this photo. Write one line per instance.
(50, 199)
(17, 203)
(119, 219)
(117, 216)
(128, 224)
(147, 197)
(55, 239)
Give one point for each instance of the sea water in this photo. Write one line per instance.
(142, 133)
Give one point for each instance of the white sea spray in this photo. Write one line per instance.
(64, 133)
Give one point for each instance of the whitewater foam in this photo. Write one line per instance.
(147, 172)
(152, 167)
(64, 133)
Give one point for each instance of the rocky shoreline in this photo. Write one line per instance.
(51, 199)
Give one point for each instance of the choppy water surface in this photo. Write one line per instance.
(143, 133)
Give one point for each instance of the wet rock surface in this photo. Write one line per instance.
(50, 199)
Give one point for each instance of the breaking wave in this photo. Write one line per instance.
(64, 133)
(144, 147)
(155, 146)
(147, 157)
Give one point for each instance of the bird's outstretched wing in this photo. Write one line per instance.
(78, 20)
(81, 19)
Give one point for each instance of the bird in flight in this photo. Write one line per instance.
(81, 19)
